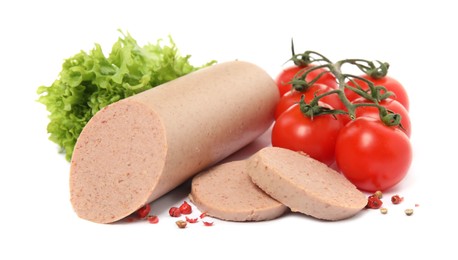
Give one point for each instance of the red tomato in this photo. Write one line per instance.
(315, 137)
(288, 74)
(388, 82)
(292, 97)
(371, 155)
(389, 104)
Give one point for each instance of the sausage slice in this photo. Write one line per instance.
(304, 184)
(227, 192)
(136, 150)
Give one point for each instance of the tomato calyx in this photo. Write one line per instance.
(388, 117)
(306, 58)
(314, 108)
(373, 92)
(369, 67)
(300, 83)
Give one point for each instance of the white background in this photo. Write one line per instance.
(418, 39)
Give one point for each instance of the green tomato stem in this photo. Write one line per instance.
(374, 93)
(369, 68)
(300, 84)
(306, 58)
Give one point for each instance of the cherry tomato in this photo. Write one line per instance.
(371, 155)
(292, 97)
(314, 136)
(389, 104)
(389, 83)
(288, 74)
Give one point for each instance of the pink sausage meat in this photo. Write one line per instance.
(227, 192)
(136, 150)
(304, 184)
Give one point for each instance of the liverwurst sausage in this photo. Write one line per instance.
(226, 192)
(137, 149)
(304, 184)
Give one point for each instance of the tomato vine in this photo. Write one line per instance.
(374, 94)
(352, 121)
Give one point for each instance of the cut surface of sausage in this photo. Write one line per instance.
(137, 149)
(227, 192)
(304, 184)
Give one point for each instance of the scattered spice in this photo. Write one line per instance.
(396, 199)
(181, 223)
(130, 219)
(192, 220)
(174, 212)
(143, 211)
(153, 219)
(185, 208)
(207, 224)
(379, 194)
(408, 212)
(373, 202)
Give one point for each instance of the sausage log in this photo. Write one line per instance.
(137, 149)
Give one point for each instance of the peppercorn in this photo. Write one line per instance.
(373, 202)
(181, 223)
(408, 212)
(174, 212)
(185, 208)
(191, 220)
(379, 194)
(144, 211)
(153, 219)
(396, 199)
(207, 224)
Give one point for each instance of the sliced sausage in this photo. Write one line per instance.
(305, 184)
(227, 192)
(136, 150)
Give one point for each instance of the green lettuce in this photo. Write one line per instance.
(90, 81)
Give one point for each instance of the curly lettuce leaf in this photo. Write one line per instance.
(90, 81)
